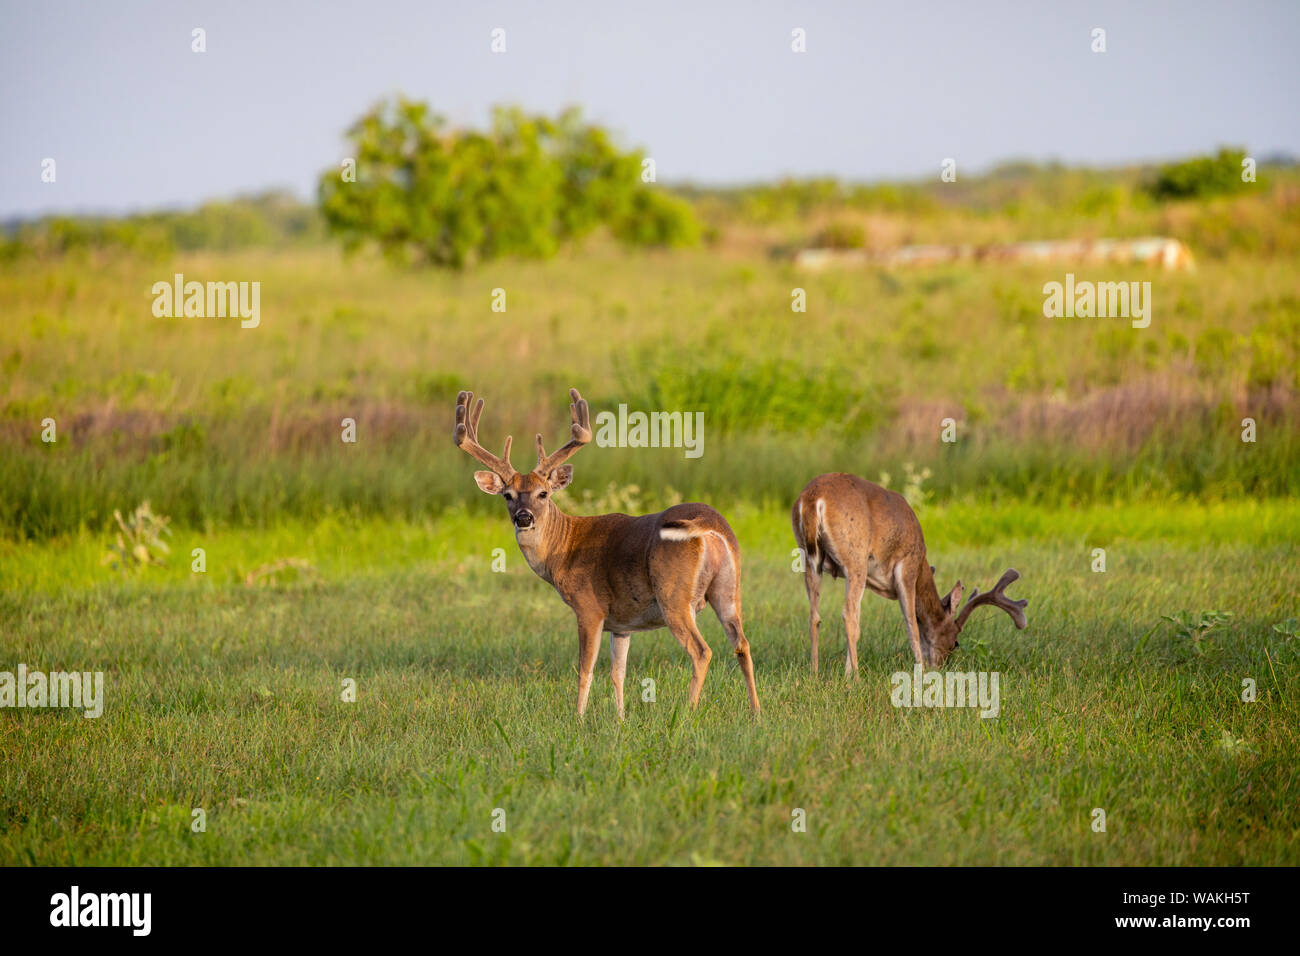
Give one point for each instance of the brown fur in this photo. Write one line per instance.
(618, 572)
(870, 536)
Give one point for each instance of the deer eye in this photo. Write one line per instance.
(542, 494)
(508, 496)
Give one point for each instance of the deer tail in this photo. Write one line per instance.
(683, 529)
(809, 518)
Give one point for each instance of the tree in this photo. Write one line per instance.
(1201, 177)
(427, 193)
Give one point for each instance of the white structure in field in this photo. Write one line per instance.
(1156, 250)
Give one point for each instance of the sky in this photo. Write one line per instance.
(136, 120)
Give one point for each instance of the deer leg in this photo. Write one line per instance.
(682, 624)
(812, 582)
(618, 645)
(588, 647)
(729, 617)
(904, 584)
(736, 634)
(854, 587)
(724, 596)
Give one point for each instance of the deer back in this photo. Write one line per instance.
(849, 525)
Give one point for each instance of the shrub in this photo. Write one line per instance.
(427, 193)
(842, 234)
(138, 542)
(1201, 177)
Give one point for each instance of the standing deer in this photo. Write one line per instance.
(869, 536)
(617, 572)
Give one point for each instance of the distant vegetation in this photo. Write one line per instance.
(263, 220)
(214, 424)
(530, 186)
(1202, 177)
(218, 425)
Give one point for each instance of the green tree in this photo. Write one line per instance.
(427, 193)
(1201, 177)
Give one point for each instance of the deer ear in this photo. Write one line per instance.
(559, 478)
(489, 482)
(952, 598)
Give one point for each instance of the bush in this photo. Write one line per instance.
(842, 235)
(657, 219)
(1201, 177)
(427, 193)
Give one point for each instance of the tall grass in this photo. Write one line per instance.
(217, 424)
(59, 491)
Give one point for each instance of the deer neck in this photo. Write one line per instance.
(546, 550)
(929, 606)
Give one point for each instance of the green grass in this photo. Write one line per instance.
(227, 697)
(222, 425)
(1074, 435)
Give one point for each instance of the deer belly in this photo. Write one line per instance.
(642, 619)
(879, 581)
(650, 621)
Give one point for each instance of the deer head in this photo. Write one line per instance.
(942, 634)
(527, 496)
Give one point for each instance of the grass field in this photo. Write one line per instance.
(372, 561)
(214, 423)
(228, 698)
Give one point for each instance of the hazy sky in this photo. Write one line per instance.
(135, 120)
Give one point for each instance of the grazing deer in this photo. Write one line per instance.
(869, 536)
(619, 573)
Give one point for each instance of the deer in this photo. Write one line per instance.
(618, 573)
(871, 537)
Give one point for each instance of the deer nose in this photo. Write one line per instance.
(523, 519)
